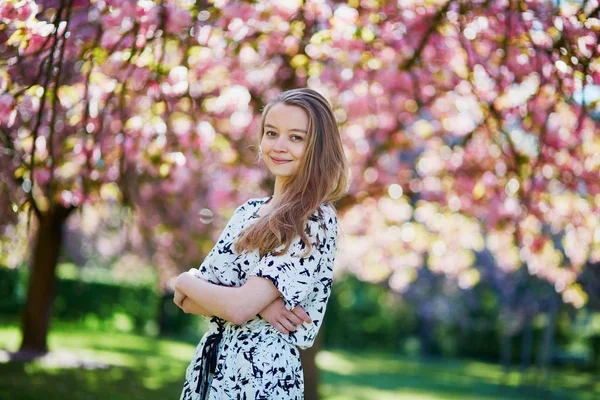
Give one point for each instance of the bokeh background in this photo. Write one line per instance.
(468, 265)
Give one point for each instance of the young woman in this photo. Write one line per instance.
(265, 285)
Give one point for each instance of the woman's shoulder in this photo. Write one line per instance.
(326, 212)
(322, 226)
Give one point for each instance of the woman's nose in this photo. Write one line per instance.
(281, 144)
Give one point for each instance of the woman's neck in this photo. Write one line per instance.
(277, 191)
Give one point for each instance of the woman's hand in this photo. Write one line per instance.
(284, 320)
(178, 298)
(186, 304)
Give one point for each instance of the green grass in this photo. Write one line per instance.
(384, 377)
(129, 366)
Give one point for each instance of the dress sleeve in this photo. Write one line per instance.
(293, 275)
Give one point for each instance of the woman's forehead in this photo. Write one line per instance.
(284, 116)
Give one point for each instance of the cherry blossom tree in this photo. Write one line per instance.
(468, 125)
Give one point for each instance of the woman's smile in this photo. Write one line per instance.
(280, 161)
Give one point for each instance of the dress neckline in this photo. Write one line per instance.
(255, 213)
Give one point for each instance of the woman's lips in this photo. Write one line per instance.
(277, 161)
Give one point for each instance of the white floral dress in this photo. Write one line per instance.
(255, 360)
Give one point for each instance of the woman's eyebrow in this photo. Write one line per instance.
(293, 129)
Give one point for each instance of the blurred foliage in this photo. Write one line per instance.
(363, 315)
(105, 306)
(360, 315)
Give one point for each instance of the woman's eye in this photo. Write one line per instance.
(299, 138)
(269, 133)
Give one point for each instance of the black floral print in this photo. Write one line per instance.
(255, 360)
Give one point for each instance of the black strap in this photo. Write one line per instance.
(208, 359)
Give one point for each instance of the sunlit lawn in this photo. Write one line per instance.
(386, 377)
(128, 366)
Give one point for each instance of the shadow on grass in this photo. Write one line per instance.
(384, 376)
(138, 367)
(23, 381)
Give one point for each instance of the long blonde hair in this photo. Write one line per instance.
(323, 177)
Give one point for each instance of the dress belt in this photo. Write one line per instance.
(208, 359)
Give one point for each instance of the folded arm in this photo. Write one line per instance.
(235, 304)
(276, 313)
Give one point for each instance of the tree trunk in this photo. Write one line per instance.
(425, 330)
(35, 318)
(309, 365)
(526, 346)
(166, 300)
(547, 345)
(506, 353)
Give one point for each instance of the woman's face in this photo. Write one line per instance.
(284, 139)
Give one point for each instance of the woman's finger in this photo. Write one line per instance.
(294, 319)
(287, 324)
(281, 328)
(299, 311)
(178, 298)
(182, 305)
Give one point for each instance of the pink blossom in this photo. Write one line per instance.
(41, 176)
(20, 11)
(8, 12)
(178, 19)
(7, 109)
